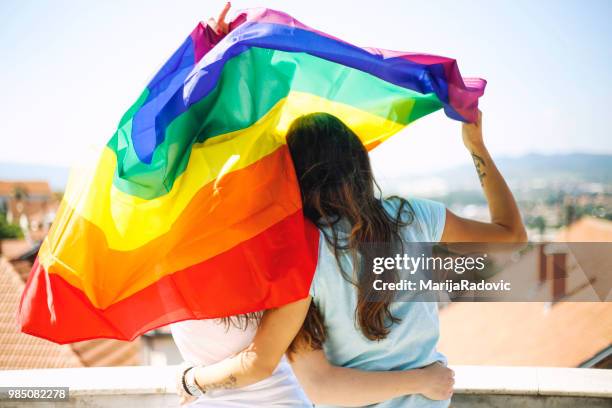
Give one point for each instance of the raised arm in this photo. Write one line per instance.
(276, 330)
(220, 25)
(325, 383)
(506, 224)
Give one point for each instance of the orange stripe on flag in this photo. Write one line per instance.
(234, 208)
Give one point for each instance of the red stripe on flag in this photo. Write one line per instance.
(222, 286)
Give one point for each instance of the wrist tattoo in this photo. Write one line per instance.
(228, 383)
(480, 165)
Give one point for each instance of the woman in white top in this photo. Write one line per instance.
(206, 342)
(350, 351)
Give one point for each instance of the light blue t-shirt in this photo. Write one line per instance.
(412, 342)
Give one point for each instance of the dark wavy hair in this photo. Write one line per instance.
(339, 193)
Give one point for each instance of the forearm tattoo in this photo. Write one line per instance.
(228, 383)
(480, 165)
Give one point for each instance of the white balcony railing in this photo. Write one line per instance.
(476, 387)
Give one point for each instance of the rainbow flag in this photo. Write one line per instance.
(193, 210)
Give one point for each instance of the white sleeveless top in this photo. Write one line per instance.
(210, 341)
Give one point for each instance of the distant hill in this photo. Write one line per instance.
(530, 176)
(56, 176)
(527, 172)
(539, 168)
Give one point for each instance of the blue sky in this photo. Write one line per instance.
(71, 68)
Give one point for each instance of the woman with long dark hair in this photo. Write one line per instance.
(346, 327)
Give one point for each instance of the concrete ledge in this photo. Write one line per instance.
(579, 382)
(96, 380)
(477, 386)
(527, 401)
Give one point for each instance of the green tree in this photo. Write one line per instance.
(9, 231)
(540, 223)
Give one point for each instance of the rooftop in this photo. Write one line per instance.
(515, 334)
(19, 350)
(567, 333)
(587, 229)
(34, 188)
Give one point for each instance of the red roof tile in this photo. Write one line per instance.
(587, 229)
(19, 350)
(564, 334)
(525, 334)
(35, 187)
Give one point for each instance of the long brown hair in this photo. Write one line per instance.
(242, 322)
(338, 189)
